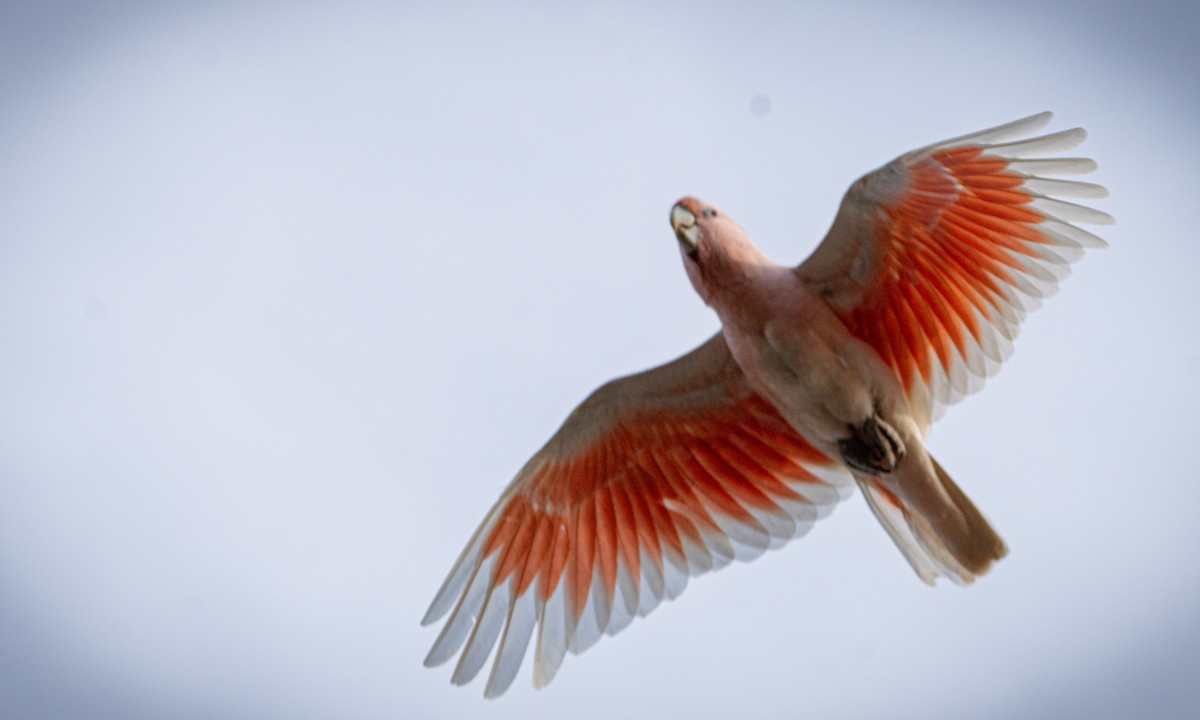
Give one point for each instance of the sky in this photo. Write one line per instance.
(288, 293)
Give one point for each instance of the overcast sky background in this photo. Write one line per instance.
(289, 292)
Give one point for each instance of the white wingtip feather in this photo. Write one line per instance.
(1016, 128)
(551, 641)
(454, 632)
(483, 636)
(464, 566)
(522, 616)
(1044, 144)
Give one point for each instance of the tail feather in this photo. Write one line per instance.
(981, 545)
(941, 533)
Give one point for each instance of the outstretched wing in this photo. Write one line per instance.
(654, 478)
(935, 258)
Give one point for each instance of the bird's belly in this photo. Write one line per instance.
(804, 377)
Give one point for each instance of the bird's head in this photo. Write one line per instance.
(715, 249)
(692, 220)
(716, 252)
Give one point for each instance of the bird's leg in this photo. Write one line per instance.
(873, 447)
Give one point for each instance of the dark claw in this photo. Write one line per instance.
(873, 447)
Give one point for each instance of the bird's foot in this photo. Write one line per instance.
(873, 447)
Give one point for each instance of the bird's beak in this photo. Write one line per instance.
(683, 222)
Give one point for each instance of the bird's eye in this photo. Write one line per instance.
(709, 212)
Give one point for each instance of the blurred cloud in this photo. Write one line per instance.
(287, 292)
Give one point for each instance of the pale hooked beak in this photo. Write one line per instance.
(683, 221)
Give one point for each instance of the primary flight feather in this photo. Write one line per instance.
(823, 377)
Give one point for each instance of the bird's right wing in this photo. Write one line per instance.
(654, 478)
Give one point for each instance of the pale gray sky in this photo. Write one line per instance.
(289, 292)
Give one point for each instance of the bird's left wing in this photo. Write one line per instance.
(935, 258)
(654, 478)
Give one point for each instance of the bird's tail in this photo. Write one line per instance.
(935, 525)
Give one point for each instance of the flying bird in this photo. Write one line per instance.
(823, 377)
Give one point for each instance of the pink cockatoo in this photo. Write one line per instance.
(823, 377)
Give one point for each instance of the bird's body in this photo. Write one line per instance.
(831, 387)
(823, 377)
(792, 347)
